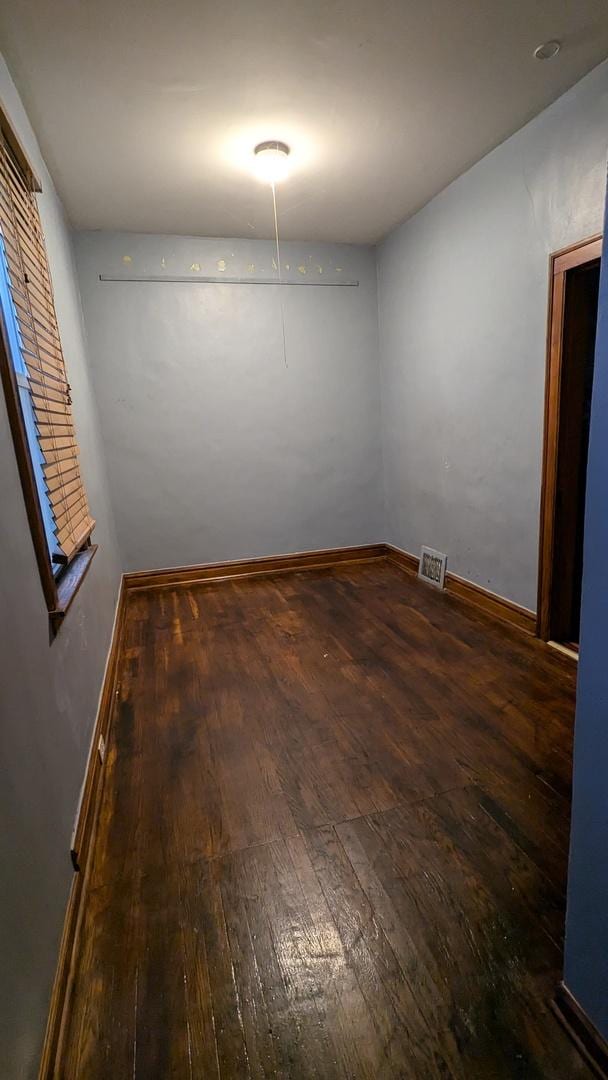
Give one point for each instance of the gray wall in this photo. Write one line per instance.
(462, 291)
(49, 693)
(215, 448)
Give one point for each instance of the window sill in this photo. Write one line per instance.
(69, 584)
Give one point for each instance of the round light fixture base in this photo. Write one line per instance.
(271, 161)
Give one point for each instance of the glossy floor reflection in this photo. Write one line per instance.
(333, 839)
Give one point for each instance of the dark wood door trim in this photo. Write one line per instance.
(577, 255)
(559, 264)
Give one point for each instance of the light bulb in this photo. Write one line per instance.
(271, 164)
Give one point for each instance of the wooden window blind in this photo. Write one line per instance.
(43, 361)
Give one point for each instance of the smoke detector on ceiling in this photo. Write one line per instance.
(547, 50)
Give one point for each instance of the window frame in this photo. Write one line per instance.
(59, 588)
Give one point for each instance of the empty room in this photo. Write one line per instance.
(304, 520)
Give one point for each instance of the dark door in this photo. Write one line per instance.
(578, 347)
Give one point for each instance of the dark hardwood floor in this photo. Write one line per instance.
(333, 839)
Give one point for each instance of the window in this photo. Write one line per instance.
(36, 387)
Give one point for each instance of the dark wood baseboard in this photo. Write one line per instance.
(50, 1046)
(87, 813)
(403, 559)
(577, 1024)
(82, 845)
(273, 564)
(496, 606)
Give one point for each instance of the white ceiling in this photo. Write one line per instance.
(147, 110)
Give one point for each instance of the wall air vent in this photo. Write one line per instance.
(432, 567)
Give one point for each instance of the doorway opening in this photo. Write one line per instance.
(573, 308)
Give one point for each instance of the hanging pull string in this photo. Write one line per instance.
(278, 247)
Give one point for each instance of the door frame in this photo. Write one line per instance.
(560, 262)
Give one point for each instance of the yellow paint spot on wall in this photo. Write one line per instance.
(302, 269)
(251, 268)
(195, 266)
(221, 265)
(127, 259)
(287, 266)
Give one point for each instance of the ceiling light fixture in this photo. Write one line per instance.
(547, 50)
(271, 164)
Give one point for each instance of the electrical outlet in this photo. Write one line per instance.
(101, 749)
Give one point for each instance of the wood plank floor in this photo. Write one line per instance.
(333, 839)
